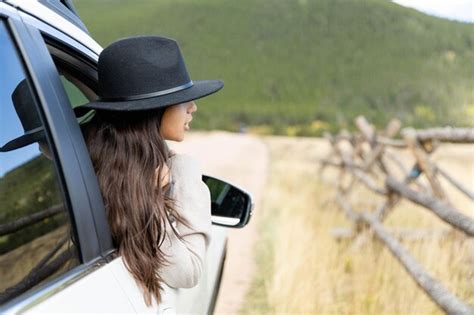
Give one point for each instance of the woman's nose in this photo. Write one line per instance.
(192, 108)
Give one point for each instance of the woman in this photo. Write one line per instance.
(157, 205)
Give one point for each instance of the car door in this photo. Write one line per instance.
(51, 253)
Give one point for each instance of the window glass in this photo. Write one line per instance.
(78, 77)
(75, 95)
(36, 235)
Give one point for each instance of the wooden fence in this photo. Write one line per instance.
(365, 158)
(50, 263)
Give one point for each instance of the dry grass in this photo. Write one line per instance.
(16, 264)
(304, 270)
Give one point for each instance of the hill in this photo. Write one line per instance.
(299, 67)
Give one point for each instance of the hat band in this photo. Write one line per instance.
(148, 95)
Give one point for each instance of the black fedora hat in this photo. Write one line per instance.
(29, 118)
(143, 73)
(27, 113)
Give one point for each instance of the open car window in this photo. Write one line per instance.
(78, 77)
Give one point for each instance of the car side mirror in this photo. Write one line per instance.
(230, 206)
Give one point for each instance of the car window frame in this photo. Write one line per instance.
(74, 53)
(85, 71)
(74, 168)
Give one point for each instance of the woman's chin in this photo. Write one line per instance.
(178, 138)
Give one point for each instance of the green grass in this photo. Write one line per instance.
(300, 67)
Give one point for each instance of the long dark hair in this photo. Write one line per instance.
(126, 150)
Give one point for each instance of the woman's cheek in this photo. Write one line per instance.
(178, 132)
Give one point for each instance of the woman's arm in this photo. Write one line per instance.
(186, 257)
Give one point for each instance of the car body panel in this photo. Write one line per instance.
(110, 288)
(98, 292)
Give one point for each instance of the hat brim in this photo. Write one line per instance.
(29, 137)
(36, 135)
(198, 90)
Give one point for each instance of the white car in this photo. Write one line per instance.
(56, 251)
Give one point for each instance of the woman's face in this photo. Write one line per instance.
(176, 119)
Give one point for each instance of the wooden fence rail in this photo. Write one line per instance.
(364, 157)
(20, 223)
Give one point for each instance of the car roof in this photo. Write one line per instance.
(66, 9)
(61, 15)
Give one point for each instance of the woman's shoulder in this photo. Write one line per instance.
(183, 164)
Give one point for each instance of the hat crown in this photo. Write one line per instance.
(140, 65)
(25, 106)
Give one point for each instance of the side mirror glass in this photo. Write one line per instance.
(230, 206)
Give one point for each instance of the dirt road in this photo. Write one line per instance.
(243, 160)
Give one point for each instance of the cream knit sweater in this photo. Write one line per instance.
(186, 258)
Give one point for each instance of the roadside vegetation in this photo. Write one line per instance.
(301, 67)
(302, 268)
(23, 195)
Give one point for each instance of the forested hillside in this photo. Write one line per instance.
(300, 67)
